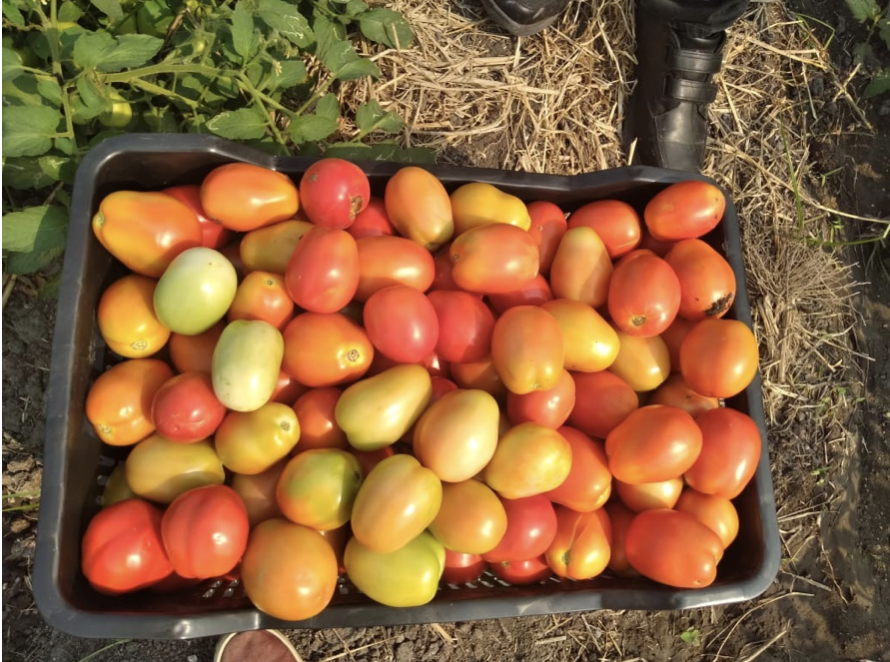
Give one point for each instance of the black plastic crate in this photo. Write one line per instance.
(76, 462)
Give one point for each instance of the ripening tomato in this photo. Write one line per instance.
(548, 225)
(583, 543)
(244, 197)
(673, 548)
(531, 527)
(122, 550)
(462, 568)
(530, 459)
(213, 234)
(333, 192)
(318, 424)
(145, 231)
(127, 319)
(654, 443)
(270, 248)
(526, 571)
(279, 549)
(325, 349)
(372, 222)
(550, 408)
(401, 323)
(160, 470)
(602, 401)
(620, 517)
(591, 344)
(589, 483)
(493, 259)
(119, 401)
(323, 273)
(476, 204)
(466, 325)
(456, 437)
(479, 374)
(258, 493)
(397, 501)
(471, 519)
(707, 281)
(318, 488)
(205, 531)
(717, 513)
(649, 496)
(731, 448)
(581, 268)
(287, 389)
(250, 442)
(185, 408)
(532, 293)
(676, 392)
(673, 337)
(642, 362)
(385, 261)
(195, 353)
(527, 349)
(262, 296)
(644, 296)
(718, 358)
(418, 206)
(616, 223)
(685, 210)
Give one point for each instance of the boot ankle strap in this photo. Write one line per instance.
(696, 62)
(690, 90)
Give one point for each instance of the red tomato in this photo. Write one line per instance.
(323, 273)
(589, 482)
(673, 337)
(550, 408)
(122, 550)
(262, 296)
(547, 228)
(479, 374)
(616, 223)
(650, 496)
(385, 261)
(318, 425)
(205, 531)
(602, 401)
(527, 349)
(531, 527)
(676, 393)
(195, 353)
(520, 573)
(707, 282)
(652, 444)
(372, 222)
(325, 349)
(213, 233)
(243, 196)
(718, 358)
(533, 293)
(685, 210)
(673, 548)
(333, 191)
(493, 259)
(620, 517)
(582, 545)
(443, 265)
(185, 408)
(731, 448)
(287, 390)
(644, 296)
(462, 568)
(401, 323)
(717, 513)
(466, 325)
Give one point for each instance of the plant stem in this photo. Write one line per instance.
(156, 69)
(245, 82)
(157, 89)
(316, 95)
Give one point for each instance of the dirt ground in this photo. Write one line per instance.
(830, 601)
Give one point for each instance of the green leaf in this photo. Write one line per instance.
(354, 8)
(22, 91)
(28, 131)
(862, 52)
(371, 117)
(92, 95)
(160, 120)
(12, 14)
(387, 27)
(243, 38)
(879, 84)
(328, 106)
(287, 20)
(286, 74)
(884, 29)
(12, 64)
(24, 173)
(28, 263)
(69, 12)
(101, 51)
(338, 55)
(242, 124)
(59, 168)
(309, 128)
(111, 8)
(384, 151)
(50, 90)
(864, 10)
(35, 229)
(65, 145)
(358, 68)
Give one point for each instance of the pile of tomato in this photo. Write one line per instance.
(414, 389)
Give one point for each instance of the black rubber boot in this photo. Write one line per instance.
(524, 17)
(679, 50)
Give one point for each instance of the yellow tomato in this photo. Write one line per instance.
(251, 442)
(591, 344)
(581, 268)
(127, 319)
(160, 470)
(482, 204)
(419, 208)
(530, 459)
(644, 363)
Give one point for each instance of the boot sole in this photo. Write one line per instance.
(518, 29)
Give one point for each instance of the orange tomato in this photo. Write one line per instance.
(589, 483)
(730, 452)
(127, 319)
(583, 544)
(548, 225)
(195, 353)
(418, 206)
(591, 344)
(581, 268)
(717, 513)
(530, 459)
(643, 363)
(213, 234)
(532, 293)
(527, 349)
(287, 390)
(602, 401)
(318, 424)
(145, 231)
(684, 210)
(479, 374)
(616, 223)
(471, 520)
(325, 349)
(493, 259)
(119, 401)
(649, 496)
(620, 517)
(673, 337)
(385, 261)
(644, 295)
(719, 358)
(270, 248)
(323, 273)
(707, 281)
(244, 197)
(258, 493)
(550, 408)
(262, 296)
(318, 488)
(676, 392)
(372, 221)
